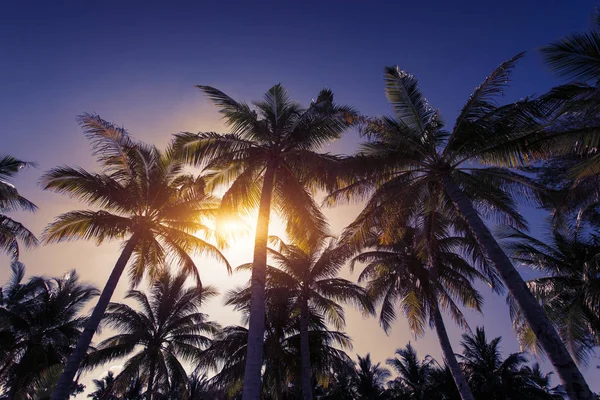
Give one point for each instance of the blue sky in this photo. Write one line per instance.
(135, 63)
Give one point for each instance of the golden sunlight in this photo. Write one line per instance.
(234, 229)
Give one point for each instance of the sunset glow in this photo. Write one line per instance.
(387, 142)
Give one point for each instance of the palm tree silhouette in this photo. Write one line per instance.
(40, 324)
(271, 160)
(568, 290)
(167, 330)
(411, 160)
(421, 274)
(11, 231)
(145, 201)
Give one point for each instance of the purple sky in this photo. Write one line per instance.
(136, 63)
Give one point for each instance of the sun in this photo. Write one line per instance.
(234, 229)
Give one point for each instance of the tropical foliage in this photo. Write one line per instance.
(145, 200)
(411, 165)
(13, 233)
(569, 288)
(282, 361)
(270, 160)
(429, 194)
(40, 322)
(167, 331)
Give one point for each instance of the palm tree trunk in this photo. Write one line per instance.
(450, 358)
(151, 380)
(307, 390)
(570, 376)
(63, 387)
(256, 328)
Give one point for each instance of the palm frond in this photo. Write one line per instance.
(86, 225)
(576, 57)
(409, 105)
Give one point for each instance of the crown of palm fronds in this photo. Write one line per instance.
(274, 133)
(401, 167)
(12, 233)
(227, 354)
(168, 326)
(569, 290)
(40, 323)
(141, 192)
(420, 271)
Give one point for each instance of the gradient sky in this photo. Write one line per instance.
(136, 63)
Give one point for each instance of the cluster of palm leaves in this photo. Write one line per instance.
(40, 323)
(12, 233)
(488, 374)
(422, 239)
(408, 377)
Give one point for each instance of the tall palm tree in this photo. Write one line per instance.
(569, 290)
(40, 323)
(271, 159)
(413, 374)
(411, 159)
(168, 329)
(282, 361)
(144, 200)
(11, 231)
(309, 277)
(370, 379)
(422, 274)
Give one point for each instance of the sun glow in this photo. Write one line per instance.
(234, 230)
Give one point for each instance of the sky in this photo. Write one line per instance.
(135, 63)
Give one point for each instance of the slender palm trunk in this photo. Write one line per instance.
(63, 387)
(307, 390)
(570, 376)
(256, 328)
(450, 358)
(151, 380)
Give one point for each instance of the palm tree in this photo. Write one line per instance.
(134, 390)
(411, 160)
(342, 384)
(282, 361)
(442, 383)
(271, 160)
(199, 388)
(576, 58)
(11, 231)
(309, 277)
(492, 377)
(104, 388)
(569, 289)
(541, 384)
(42, 386)
(370, 378)
(40, 324)
(424, 273)
(413, 374)
(144, 200)
(167, 329)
